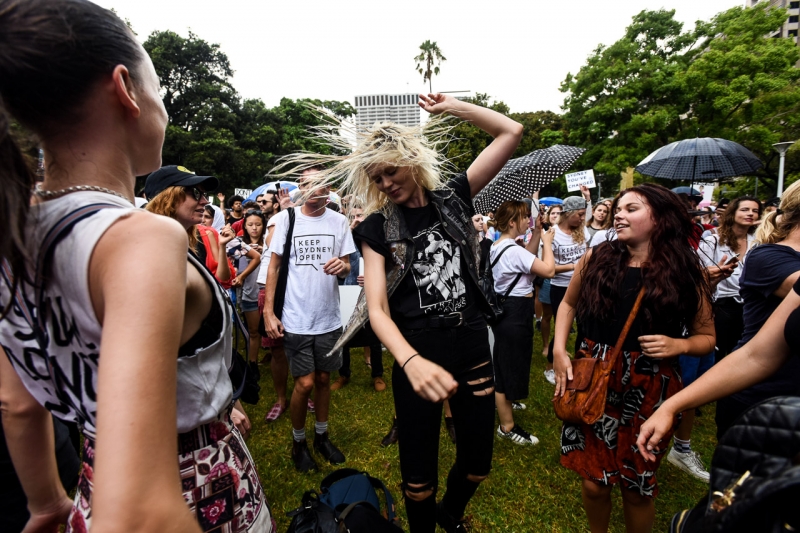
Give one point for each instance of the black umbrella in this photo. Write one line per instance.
(698, 159)
(521, 177)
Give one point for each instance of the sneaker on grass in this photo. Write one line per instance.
(690, 463)
(518, 406)
(517, 435)
(550, 376)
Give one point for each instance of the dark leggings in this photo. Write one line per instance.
(556, 296)
(375, 360)
(464, 352)
(728, 325)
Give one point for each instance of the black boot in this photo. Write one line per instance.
(391, 437)
(324, 447)
(303, 461)
(450, 524)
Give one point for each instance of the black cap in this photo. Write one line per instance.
(174, 175)
(723, 203)
(773, 202)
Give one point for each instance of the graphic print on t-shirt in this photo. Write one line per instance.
(313, 250)
(437, 272)
(569, 253)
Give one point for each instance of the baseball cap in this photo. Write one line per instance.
(723, 203)
(573, 203)
(175, 175)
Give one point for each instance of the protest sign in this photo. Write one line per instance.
(576, 179)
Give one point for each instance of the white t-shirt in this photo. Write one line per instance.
(565, 251)
(311, 306)
(265, 256)
(602, 236)
(711, 252)
(516, 260)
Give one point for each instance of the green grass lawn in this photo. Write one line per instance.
(527, 490)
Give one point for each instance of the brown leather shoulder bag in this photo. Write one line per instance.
(584, 399)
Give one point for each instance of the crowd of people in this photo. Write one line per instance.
(101, 298)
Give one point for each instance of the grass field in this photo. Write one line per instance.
(527, 490)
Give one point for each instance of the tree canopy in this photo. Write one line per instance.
(658, 84)
(212, 129)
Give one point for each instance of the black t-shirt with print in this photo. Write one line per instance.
(438, 282)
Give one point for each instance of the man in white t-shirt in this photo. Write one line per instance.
(311, 322)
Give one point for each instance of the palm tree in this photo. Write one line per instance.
(425, 60)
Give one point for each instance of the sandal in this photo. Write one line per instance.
(274, 413)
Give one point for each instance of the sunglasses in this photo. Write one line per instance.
(194, 192)
(264, 202)
(253, 212)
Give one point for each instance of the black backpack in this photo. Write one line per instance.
(486, 285)
(347, 502)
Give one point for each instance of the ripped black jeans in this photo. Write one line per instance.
(464, 352)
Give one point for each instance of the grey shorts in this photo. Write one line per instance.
(307, 353)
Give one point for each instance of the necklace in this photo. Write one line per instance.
(51, 195)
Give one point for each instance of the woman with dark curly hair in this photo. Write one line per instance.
(652, 253)
(729, 245)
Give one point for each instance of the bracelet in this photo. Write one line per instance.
(407, 360)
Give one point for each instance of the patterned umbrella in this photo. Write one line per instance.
(700, 159)
(522, 176)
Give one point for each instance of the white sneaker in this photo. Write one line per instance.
(518, 406)
(550, 375)
(690, 463)
(517, 435)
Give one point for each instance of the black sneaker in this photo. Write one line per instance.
(303, 461)
(450, 524)
(324, 447)
(517, 435)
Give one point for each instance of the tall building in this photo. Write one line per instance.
(792, 25)
(399, 108)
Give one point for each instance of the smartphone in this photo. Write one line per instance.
(731, 258)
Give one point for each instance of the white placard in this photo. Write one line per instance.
(576, 179)
(706, 190)
(348, 296)
(244, 193)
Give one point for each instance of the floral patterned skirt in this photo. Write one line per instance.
(606, 452)
(219, 479)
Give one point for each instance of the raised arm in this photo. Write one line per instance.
(545, 266)
(750, 364)
(137, 376)
(506, 133)
(28, 428)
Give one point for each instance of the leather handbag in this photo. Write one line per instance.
(584, 399)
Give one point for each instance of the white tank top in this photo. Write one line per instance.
(64, 378)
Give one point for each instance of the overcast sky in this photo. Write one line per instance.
(516, 51)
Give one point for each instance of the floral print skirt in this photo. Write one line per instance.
(606, 452)
(220, 483)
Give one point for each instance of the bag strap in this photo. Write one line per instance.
(609, 364)
(493, 263)
(338, 475)
(347, 510)
(62, 228)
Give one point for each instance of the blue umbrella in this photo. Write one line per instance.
(550, 200)
(271, 186)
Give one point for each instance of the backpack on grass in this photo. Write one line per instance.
(347, 502)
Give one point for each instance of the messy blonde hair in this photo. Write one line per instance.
(166, 203)
(771, 230)
(419, 148)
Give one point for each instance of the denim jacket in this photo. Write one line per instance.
(456, 218)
